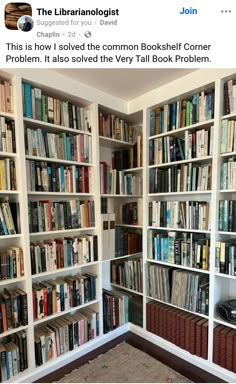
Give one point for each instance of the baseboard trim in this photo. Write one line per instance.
(188, 365)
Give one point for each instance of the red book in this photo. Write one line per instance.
(100, 124)
(187, 332)
(161, 320)
(223, 334)
(152, 317)
(86, 180)
(157, 318)
(148, 312)
(173, 327)
(193, 335)
(216, 343)
(177, 327)
(182, 330)
(169, 323)
(234, 355)
(164, 321)
(205, 340)
(45, 302)
(229, 349)
(199, 323)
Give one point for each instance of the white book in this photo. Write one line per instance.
(211, 140)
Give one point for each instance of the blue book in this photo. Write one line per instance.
(165, 249)
(68, 151)
(49, 169)
(27, 100)
(158, 248)
(62, 174)
(173, 115)
(7, 365)
(77, 175)
(161, 121)
(152, 123)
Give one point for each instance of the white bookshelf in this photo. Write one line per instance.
(221, 286)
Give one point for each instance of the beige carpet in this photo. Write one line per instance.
(124, 364)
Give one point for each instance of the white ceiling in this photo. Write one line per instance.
(125, 83)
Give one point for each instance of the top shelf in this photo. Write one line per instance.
(188, 128)
(113, 143)
(54, 127)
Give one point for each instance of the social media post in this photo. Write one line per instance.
(164, 34)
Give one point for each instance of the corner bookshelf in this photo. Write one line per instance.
(121, 186)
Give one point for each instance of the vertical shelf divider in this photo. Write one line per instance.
(146, 129)
(22, 179)
(214, 214)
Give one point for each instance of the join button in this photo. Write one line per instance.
(188, 11)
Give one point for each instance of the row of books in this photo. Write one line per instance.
(228, 136)
(225, 257)
(48, 215)
(224, 347)
(13, 356)
(229, 97)
(228, 174)
(11, 263)
(52, 255)
(117, 182)
(7, 175)
(167, 149)
(128, 273)
(227, 215)
(65, 334)
(48, 177)
(61, 146)
(189, 332)
(127, 242)
(130, 213)
(9, 218)
(187, 249)
(181, 178)
(54, 296)
(115, 309)
(41, 107)
(183, 289)
(128, 158)
(13, 309)
(113, 127)
(7, 135)
(198, 108)
(180, 214)
(6, 96)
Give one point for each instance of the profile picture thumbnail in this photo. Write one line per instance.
(25, 23)
(14, 11)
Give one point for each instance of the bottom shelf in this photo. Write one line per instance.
(185, 330)
(65, 335)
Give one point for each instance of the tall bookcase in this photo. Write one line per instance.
(137, 112)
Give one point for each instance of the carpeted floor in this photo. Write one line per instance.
(124, 364)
